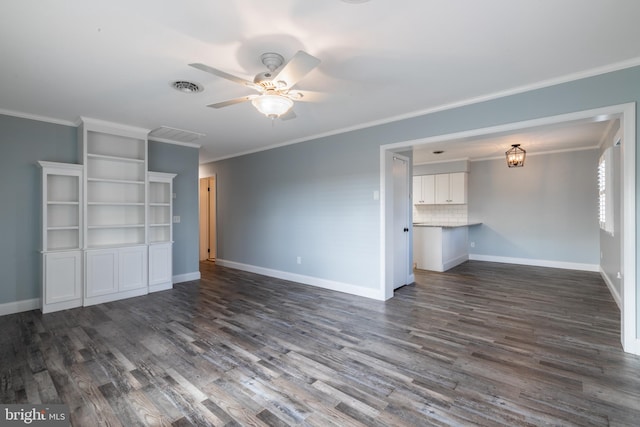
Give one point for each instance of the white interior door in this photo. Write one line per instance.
(208, 218)
(401, 225)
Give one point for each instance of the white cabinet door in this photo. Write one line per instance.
(458, 187)
(102, 272)
(417, 190)
(160, 268)
(62, 287)
(132, 267)
(451, 188)
(424, 190)
(429, 189)
(115, 273)
(442, 189)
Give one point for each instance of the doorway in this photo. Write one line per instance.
(208, 218)
(630, 313)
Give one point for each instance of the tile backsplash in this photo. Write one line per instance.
(440, 214)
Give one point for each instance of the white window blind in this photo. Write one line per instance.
(605, 199)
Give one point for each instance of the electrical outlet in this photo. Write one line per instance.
(299, 260)
(472, 244)
(176, 219)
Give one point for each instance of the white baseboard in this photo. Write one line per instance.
(160, 287)
(306, 280)
(453, 262)
(187, 277)
(19, 306)
(633, 347)
(612, 288)
(536, 262)
(34, 304)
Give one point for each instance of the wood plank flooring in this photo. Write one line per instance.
(481, 345)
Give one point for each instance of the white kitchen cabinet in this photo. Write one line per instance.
(424, 190)
(439, 248)
(451, 188)
(61, 236)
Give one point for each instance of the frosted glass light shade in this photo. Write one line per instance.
(272, 106)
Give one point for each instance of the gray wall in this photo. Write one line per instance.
(183, 161)
(545, 210)
(313, 200)
(23, 142)
(269, 231)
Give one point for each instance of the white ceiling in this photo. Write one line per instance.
(569, 136)
(381, 60)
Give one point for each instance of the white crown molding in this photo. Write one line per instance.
(566, 150)
(170, 141)
(469, 101)
(36, 117)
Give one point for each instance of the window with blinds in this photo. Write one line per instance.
(605, 199)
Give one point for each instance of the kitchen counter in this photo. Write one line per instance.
(445, 225)
(439, 247)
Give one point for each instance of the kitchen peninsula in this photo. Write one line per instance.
(440, 246)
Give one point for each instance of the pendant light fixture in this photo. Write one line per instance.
(515, 156)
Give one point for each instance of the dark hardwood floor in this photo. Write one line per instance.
(483, 344)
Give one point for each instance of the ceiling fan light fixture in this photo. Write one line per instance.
(515, 156)
(272, 106)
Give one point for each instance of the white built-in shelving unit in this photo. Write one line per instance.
(115, 160)
(160, 230)
(62, 229)
(107, 229)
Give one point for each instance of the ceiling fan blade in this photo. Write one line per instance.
(232, 101)
(225, 75)
(288, 115)
(297, 67)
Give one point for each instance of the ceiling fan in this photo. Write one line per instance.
(275, 97)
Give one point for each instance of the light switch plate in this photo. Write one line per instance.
(176, 219)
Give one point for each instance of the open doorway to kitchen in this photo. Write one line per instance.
(208, 218)
(626, 113)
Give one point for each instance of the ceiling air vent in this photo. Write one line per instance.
(173, 134)
(186, 87)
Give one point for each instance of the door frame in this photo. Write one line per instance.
(627, 115)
